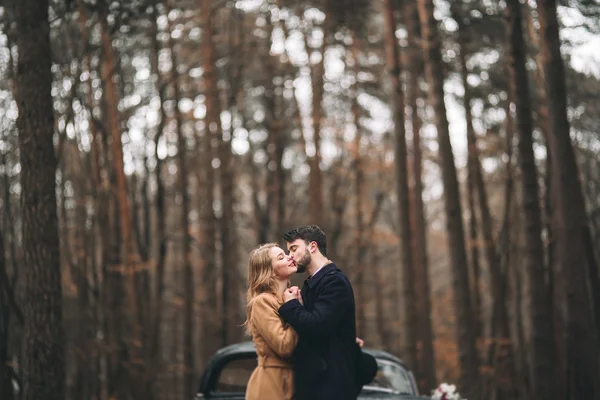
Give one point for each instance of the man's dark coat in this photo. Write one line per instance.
(326, 356)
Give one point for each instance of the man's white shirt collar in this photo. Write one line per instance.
(320, 268)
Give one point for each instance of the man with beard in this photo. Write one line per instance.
(328, 362)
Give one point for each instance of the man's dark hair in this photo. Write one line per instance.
(308, 233)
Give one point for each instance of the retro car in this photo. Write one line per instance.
(228, 371)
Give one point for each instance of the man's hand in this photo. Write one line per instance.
(299, 294)
(291, 294)
(360, 342)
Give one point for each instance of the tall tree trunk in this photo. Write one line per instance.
(213, 123)
(402, 193)
(210, 315)
(547, 218)
(426, 356)
(504, 374)
(570, 220)
(274, 149)
(466, 328)
(473, 171)
(130, 255)
(540, 312)
(161, 218)
(128, 329)
(316, 175)
(188, 274)
(7, 309)
(9, 221)
(229, 245)
(474, 242)
(359, 181)
(44, 352)
(509, 267)
(146, 229)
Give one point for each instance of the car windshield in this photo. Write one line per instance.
(390, 377)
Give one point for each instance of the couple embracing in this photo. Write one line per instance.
(305, 339)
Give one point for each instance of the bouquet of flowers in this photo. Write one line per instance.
(446, 392)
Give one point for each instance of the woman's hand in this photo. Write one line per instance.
(293, 293)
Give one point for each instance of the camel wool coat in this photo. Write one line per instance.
(275, 341)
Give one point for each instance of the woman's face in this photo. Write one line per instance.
(283, 265)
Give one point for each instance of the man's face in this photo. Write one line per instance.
(300, 254)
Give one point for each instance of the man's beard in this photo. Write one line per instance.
(303, 263)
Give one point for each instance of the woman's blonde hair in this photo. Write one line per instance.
(261, 278)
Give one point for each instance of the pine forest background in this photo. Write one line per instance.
(449, 149)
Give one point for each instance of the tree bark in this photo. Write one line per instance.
(275, 127)
(230, 293)
(124, 300)
(570, 220)
(156, 342)
(542, 340)
(555, 292)
(469, 380)
(44, 338)
(504, 374)
(188, 274)
(402, 192)
(7, 309)
(359, 187)
(474, 243)
(426, 356)
(316, 175)
(10, 225)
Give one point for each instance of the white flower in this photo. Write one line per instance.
(446, 392)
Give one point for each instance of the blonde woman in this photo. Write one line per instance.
(268, 277)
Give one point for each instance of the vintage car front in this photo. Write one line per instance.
(228, 371)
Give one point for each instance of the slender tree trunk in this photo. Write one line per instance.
(7, 308)
(543, 120)
(156, 341)
(140, 217)
(127, 309)
(316, 175)
(274, 149)
(548, 218)
(338, 194)
(426, 360)
(146, 217)
(469, 379)
(582, 374)
(44, 338)
(112, 98)
(142, 289)
(9, 222)
(80, 271)
(359, 181)
(508, 266)
(473, 171)
(474, 247)
(542, 342)
(214, 129)
(504, 376)
(229, 249)
(89, 305)
(401, 163)
(188, 274)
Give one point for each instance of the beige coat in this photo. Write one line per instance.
(275, 341)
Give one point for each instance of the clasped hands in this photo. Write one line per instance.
(293, 293)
